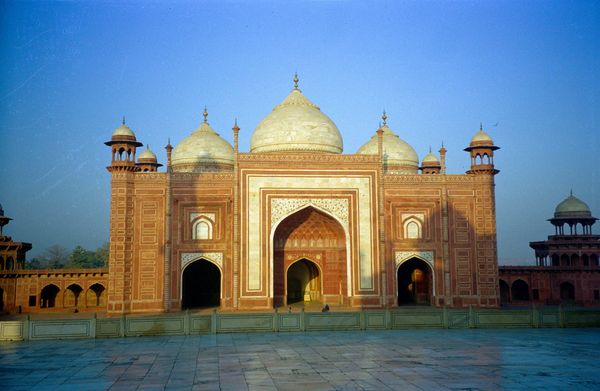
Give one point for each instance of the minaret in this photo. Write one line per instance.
(442, 152)
(482, 150)
(123, 145)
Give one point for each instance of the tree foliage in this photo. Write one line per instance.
(58, 257)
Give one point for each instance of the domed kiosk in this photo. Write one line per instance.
(430, 164)
(572, 212)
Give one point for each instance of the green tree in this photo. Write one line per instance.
(55, 257)
(102, 255)
(81, 258)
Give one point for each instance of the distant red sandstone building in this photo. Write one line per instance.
(566, 270)
(291, 221)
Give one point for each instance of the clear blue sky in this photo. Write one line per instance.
(529, 70)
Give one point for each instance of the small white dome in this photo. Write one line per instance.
(396, 152)
(430, 158)
(481, 138)
(147, 156)
(123, 130)
(296, 125)
(202, 147)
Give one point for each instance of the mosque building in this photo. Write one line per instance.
(296, 220)
(293, 220)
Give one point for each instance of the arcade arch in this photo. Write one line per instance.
(95, 296)
(71, 298)
(520, 290)
(567, 291)
(48, 296)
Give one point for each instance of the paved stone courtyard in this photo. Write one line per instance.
(373, 360)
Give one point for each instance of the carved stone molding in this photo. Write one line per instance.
(195, 215)
(303, 157)
(215, 257)
(205, 176)
(280, 207)
(401, 256)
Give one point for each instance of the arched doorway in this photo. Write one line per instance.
(303, 282)
(567, 292)
(72, 293)
(414, 282)
(520, 291)
(48, 296)
(504, 292)
(201, 285)
(95, 295)
(309, 252)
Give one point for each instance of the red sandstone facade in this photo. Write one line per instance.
(292, 221)
(276, 228)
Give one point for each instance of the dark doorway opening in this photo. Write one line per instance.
(414, 283)
(201, 285)
(303, 282)
(520, 291)
(48, 296)
(504, 292)
(567, 291)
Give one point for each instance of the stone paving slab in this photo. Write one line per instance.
(557, 359)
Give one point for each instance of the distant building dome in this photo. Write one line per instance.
(202, 149)
(296, 125)
(572, 207)
(147, 156)
(396, 152)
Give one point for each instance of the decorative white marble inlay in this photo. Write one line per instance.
(194, 215)
(419, 216)
(281, 207)
(187, 258)
(401, 256)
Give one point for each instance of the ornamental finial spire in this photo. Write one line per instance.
(481, 127)
(205, 114)
(296, 80)
(123, 120)
(384, 118)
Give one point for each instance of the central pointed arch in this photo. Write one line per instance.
(320, 241)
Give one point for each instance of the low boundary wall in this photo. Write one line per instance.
(190, 323)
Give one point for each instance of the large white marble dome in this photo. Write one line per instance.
(296, 125)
